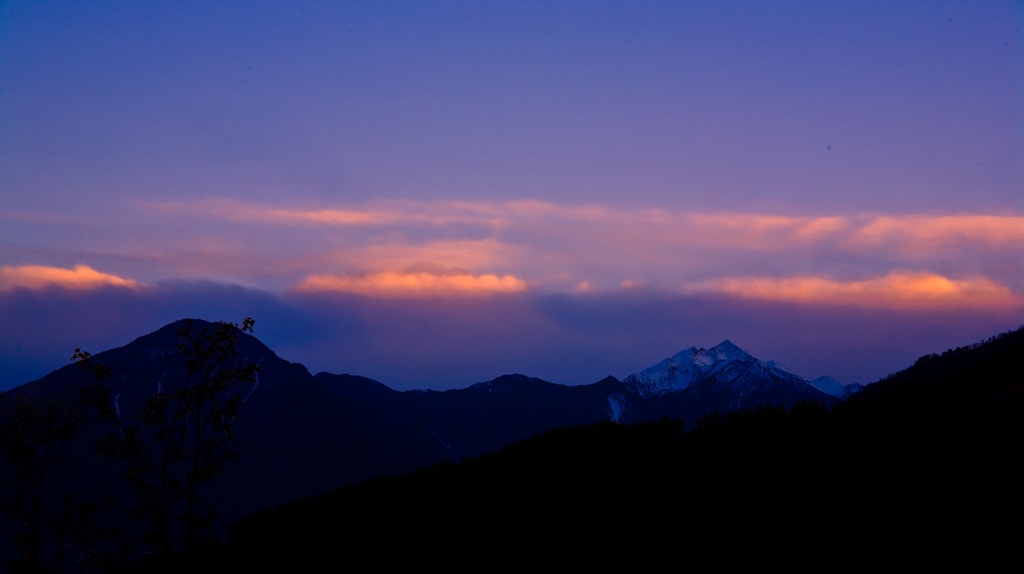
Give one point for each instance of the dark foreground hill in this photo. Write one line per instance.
(922, 470)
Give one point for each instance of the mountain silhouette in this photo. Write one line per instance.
(298, 434)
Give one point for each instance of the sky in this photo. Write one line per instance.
(436, 194)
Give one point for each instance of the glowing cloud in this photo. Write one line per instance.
(989, 228)
(243, 213)
(464, 254)
(920, 233)
(39, 276)
(900, 290)
(584, 287)
(414, 283)
(744, 230)
(557, 247)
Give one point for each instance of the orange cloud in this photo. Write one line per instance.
(414, 283)
(743, 230)
(900, 290)
(39, 276)
(917, 232)
(584, 287)
(244, 213)
(914, 233)
(324, 216)
(559, 245)
(382, 214)
(820, 228)
(464, 254)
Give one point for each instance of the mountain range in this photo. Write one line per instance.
(299, 434)
(918, 471)
(776, 470)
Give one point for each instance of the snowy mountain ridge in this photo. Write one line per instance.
(729, 365)
(830, 386)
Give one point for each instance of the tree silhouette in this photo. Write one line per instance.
(33, 434)
(185, 439)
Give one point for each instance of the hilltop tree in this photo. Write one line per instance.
(186, 435)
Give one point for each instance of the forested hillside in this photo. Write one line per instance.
(920, 469)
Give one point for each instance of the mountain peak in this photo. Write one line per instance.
(722, 352)
(725, 362)
(830, 386)
(727, 346)
(727, 351)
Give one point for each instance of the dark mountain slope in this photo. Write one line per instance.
(922, 472)
(489, 415)
(419, 428)
(976, 376)
(293, 435)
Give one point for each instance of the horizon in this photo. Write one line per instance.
(620, 377)
(428, 195)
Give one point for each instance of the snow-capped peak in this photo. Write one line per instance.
(830, 386)
(725, 361)
(724, 351)
(777, 366)
(727, 351)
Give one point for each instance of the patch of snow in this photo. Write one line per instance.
(850, 389)
(446, 446)
(777, 366)
(615, 404)
(828, 385)
(257, 383)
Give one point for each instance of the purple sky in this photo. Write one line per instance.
(434, 194)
